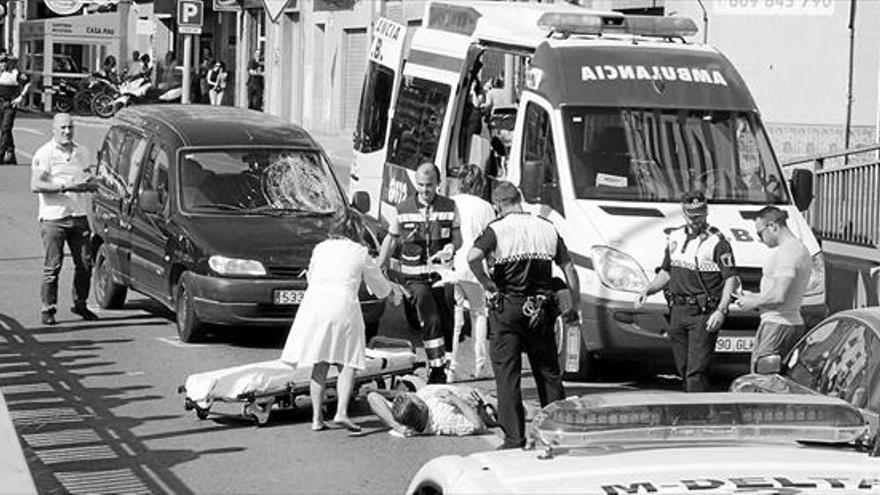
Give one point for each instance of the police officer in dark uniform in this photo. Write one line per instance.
(698, 275)
(424, 231)
(522, 248)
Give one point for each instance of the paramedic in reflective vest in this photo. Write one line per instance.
(523, 248)
(698, 273)
(425, 230)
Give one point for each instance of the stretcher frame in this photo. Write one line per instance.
(258, 406)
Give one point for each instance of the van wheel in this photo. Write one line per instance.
(108, 293)
(189, 328)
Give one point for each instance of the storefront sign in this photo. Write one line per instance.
(64, 7)
(227, 5)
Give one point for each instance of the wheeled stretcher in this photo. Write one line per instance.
(274, 385)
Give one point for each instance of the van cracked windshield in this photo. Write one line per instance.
(258, 181)
(657, 155)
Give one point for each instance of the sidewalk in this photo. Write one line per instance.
(14, 474)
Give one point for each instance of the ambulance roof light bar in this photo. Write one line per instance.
(568, 23)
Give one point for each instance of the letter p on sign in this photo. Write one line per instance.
(190, 15)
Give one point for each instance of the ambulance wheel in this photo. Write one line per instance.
(258, 412)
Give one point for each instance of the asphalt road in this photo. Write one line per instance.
(96, 406)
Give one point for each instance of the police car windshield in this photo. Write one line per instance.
(258, 181)
(635, 154)
(640, 417)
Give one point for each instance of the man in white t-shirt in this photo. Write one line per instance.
(785, 276)
(62, 179)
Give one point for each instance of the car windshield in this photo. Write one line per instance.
(635, 154)
(269, 181)
(638, 417)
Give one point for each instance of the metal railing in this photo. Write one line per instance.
(846, 207)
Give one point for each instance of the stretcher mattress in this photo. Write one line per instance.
(270, 378)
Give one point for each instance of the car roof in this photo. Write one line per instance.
(204, 125)
(869, 314)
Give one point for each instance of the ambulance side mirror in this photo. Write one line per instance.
(802, 188)
(532, 176)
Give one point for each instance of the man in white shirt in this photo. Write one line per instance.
(62, 180)
(785, 276)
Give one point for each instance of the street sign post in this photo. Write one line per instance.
(190, 17)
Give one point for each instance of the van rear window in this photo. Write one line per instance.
(418, 120)
(658, 155)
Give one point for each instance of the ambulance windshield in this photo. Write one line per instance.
(658, 155)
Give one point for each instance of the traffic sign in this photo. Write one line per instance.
(274, 8)
(190, 16)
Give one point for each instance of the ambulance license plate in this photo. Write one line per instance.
(286, 297)
(734, 344)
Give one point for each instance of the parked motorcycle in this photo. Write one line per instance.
(136, 90)
(62, 100)
(96, 83)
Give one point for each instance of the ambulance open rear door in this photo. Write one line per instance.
(385, 58)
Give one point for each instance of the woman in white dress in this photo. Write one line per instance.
(329, 326)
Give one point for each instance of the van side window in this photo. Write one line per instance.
(538, 147)
(139, 148)
(128, 164)
(418, 120)
(155, 176)
(109, 154)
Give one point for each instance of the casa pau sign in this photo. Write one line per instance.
(65, 7)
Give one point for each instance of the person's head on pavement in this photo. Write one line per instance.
(427, 181)
(62, 129)
(696, 211)
(411, 411)
(771, 227)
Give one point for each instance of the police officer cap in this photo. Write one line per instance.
(694, 204)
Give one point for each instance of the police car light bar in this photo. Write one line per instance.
(568, 23)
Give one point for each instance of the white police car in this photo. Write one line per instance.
(649, 442)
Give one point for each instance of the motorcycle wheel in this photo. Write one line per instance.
(82, 102)
(63, 104)
(103, 105)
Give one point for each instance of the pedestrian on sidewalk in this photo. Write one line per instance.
(424, 232)
(784, 279)
(523, 309)
(256, 68)
(329, 326)
(14, 85)
(475, 214)
(216, 80)
(63, 180)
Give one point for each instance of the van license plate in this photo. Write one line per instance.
(734, 344)
(288, 296)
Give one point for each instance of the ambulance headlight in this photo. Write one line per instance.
(618, 270)
(235, 266)
(817, 276)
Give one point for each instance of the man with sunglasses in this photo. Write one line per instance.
(784, 279)
(698, 275)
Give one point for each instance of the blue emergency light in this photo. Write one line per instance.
(568, 23)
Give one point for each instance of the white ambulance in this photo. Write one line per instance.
(617, 117)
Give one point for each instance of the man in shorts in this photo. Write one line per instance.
(784, 279)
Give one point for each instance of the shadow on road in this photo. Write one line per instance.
(72, 440)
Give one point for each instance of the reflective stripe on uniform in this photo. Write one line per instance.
(704, 266)
(437, 216)
(437, 343)
(397, 266)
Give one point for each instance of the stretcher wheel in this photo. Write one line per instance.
(201, 413)
(258, 412)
